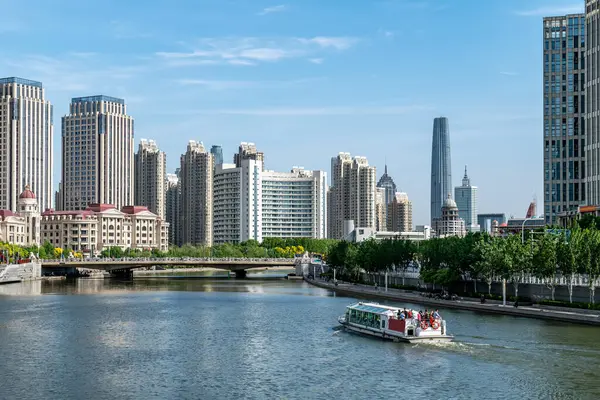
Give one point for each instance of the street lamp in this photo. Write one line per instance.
(523, 229)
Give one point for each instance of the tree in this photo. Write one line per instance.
(581, 249)
(565, 260)
(544, 261)
(593, 270)
(519, 256)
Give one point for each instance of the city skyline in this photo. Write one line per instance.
(380, 108)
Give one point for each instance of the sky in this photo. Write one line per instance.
(307, 79)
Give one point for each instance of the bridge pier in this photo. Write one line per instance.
(241, 274)
(125, 274)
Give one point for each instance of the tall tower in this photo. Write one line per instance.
(196, 180)
(592, 108)
(400, 214)
(150, 173)
(563, 138)
(387, 183)
(352, 194)
(28, 209)
(173, 207)
(98, 154)
(26, 142)
(466, 201)
(441, 166)
(217, 152)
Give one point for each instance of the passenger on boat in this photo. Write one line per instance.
(436, 315)
(410, 314)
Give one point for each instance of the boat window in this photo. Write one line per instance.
(383, 324)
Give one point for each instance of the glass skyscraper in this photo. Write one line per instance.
(466, 201)
(592, 83)
(564, 108)
(441, 166)
(217, 152)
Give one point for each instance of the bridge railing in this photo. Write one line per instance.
(169, 259)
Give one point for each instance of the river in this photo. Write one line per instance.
(258, 338)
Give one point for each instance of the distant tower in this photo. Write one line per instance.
(217, 152)
(466, 199)
(441, 166)
(28, 209)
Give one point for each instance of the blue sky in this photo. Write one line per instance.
(306, 79)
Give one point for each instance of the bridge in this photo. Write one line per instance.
(124, 266)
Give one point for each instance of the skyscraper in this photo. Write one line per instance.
(26, 142)
(217, 152)
(172, 207)
(564, 136)
(592, 109)
(400, 214)
(466, 201)
(441, 166)
(150, 173)
(196, 180)
(98, 154)
(352, 194)
(388, 184)
(380, 209)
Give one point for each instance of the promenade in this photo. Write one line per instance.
(576, 316)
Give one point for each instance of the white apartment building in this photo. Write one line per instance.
(173, 207)
(352, 194)
(98, 154)
(12, 228)
(26, 142)
(380, 209)
(196, 180)
(150, 173)
(103, 226)
(251, 203)
(399, 213)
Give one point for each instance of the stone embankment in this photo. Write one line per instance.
(576, 316)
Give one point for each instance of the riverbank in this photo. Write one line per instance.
(539, 312)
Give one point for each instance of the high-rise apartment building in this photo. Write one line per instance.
(352, 194)
(26, 142)
(466, 200)
(441, 166)
(380, 209)
(217, 152)
(564, 110)
(592, 95)
(150, 173)
(97, 154)
(196, 180)
(173, 207)
(251, 203)
(400, 214)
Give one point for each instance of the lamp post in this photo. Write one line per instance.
(523, 230)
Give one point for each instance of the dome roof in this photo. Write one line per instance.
(27, 193)
(449, 203)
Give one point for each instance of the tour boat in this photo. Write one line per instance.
(387, 323)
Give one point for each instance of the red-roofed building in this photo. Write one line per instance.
(103, 225)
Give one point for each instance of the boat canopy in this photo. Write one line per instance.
(371, 308)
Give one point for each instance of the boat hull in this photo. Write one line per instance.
(395, 338)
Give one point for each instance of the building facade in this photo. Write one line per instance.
(399, 214)
(486, 221)
(251, 203)
(387, 183)
(12, 228)
(150, 173)
(564, 111)
(352, 194)
(29, 211)
(441, 166)
(592, 95)
(217, 152)
(173, 207)
(380, 209)
(449, 223)
(103, 226)
(26, 142)
(196, 180)
(98, 154)
(466, 200)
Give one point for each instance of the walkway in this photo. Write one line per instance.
(551, 313)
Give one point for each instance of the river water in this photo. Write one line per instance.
(185, 338)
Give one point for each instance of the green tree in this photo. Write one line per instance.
(565, 260)
(519, 256)
(544, 261)
(593, 270)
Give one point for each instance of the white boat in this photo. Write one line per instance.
(387, 323)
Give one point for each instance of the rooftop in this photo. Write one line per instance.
(20, 81)
(100, 97)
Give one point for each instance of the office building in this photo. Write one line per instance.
(173, 207)
(150, 173)
(26, 142)
(196, 180)
(388, 184)
(441, 166)
(564, 111)
(466, 200)
(352, 194)
(251, 203)
(486, 221)
(380, 209)
(592, 95)
(98, 154)
(217, 152)
(399, 214)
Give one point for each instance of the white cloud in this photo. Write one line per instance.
(572, 8)
(316, 60)
(314, 111)
(508, 73)
(273, 9)
(228, 85)
(247, 51)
